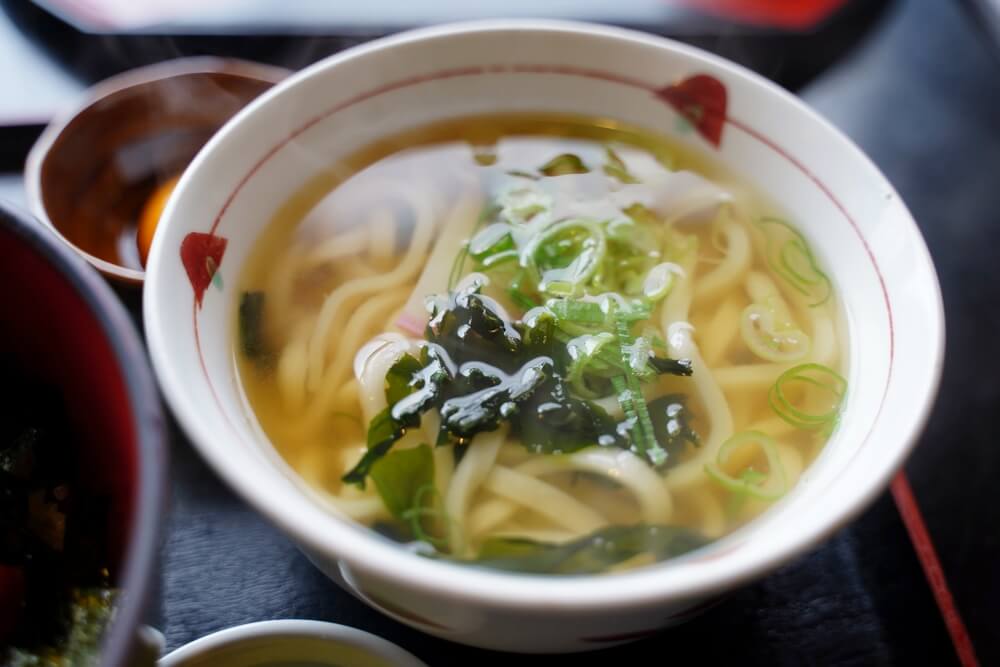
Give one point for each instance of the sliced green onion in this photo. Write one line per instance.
(458, 265)
(789, 256)
(750, 481)
(517, 295)
(583, 353)
(815, 376)
(644, 427)
(521, 300)
(624, 395)
(581, 312)
(566, 256)
(539, 326)
(492, 239)
(635, 311)
(639, 353)
(421, 510)
(499, 258)
(659, 281)
(780, 345)
(493, 246)
(620, 229)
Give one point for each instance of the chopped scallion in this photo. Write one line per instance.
(817, 382)
(751, 482)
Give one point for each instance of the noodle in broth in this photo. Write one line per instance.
(540, 343)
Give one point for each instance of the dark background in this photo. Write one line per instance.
(921, 95)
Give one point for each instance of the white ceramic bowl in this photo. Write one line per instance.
(290, 643)
(852, 216)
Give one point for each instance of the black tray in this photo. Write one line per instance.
(922, 97)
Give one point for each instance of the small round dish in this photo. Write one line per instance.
(290, 643)
(92, 171)
(64, 326)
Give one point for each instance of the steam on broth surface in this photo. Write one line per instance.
(539, 343)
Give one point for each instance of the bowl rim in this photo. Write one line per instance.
(634, 589)
(142, 548)
(331, 633)
(133, 78)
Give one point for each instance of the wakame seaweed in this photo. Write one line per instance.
(590, 554)
(479, 369)
(671, 419)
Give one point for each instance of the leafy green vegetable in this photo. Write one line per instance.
(671, 420)
(591, 554)
(469, 322)
(495, 240)
(561, 165)
(251, 319)
(424, 390)
(464, 416)
(478, 369)
(525, 386)
(554, 422)
(400, 475)
(597, 280)
(411, 388)
(399, 379)
(383, 432)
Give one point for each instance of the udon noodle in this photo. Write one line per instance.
(539, 343)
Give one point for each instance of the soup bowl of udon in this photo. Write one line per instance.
(542, 336)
